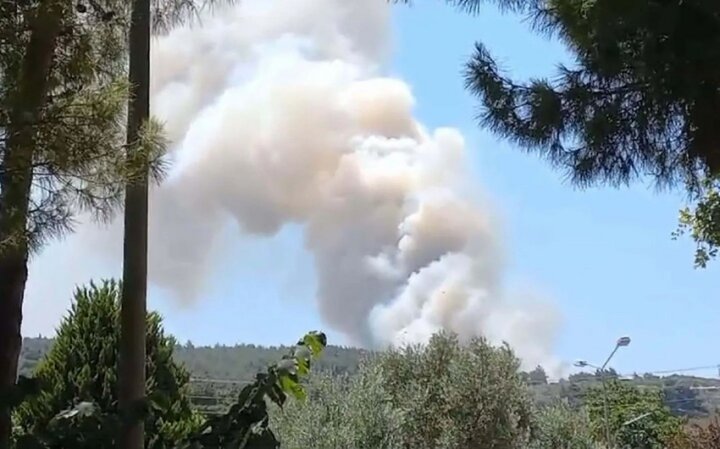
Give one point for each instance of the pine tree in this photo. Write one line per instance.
(82, 367)
(61, 97)
(641, 99)
(63, 92)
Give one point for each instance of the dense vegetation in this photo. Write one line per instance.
(72, 400)
(82, 366)
(239, 363)
(443, 396)
(448, 395)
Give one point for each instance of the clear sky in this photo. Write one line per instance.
(604, 257)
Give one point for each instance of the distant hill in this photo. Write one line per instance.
(219, 362)
(218, 371)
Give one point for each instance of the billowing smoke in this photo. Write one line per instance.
(279, 115)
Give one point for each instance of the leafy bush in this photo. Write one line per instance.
(94, 421)
(441, 396)
(82, 367)
(454, 395)
(638, 419)
(343, 412)
(559, 426)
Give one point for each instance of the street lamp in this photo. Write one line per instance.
(635, 419)
(585, 364)
(620, 343)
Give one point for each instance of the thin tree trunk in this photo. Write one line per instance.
(706, 137)
(16, 173)
(133, 305)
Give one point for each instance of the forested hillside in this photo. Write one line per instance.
(236, 363)
(220, 370)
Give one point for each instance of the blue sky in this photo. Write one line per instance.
(604, 257)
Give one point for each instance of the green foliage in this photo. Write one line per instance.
(166, 14)
(81, 367)
(239, 363)
(445, 395)
(77, 137)
(343, 412)
(703, 224)
(699, 436)
(76, 126)
(246, 424)
(640, 99)
(684, 400)
(454, 395)
(538, 376)
(638, 419)
(86, 423)
(559, 426)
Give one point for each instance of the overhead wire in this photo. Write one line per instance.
(683, 370)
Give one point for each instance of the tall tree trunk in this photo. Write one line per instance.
(16, 173)
(133, 302)
(706, 136)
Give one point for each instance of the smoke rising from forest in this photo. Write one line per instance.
(281, 115)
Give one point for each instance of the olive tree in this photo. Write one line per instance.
(443, 395)
(559, 426)
(631, 417)
(457, 395)
(342, 412)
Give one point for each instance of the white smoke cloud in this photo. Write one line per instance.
(279, 114)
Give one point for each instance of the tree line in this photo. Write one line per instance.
(240, 363)
(446, 394)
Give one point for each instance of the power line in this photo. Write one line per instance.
(219, 397)
(672, 371)
(219, 381)
(682, 370)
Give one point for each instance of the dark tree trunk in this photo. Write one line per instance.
(16, 172)
(705, 139)
(13, 275)
(133, 305)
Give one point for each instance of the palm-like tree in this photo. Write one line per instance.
(131, 364)
(146, 15)
(62, 99)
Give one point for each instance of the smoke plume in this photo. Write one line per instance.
(280, 115)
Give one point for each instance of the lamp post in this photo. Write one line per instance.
(635, 419)
(621, 342)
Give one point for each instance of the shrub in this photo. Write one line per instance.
(559, 426)
(446, 395)
(344, 412)
(81, 366)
